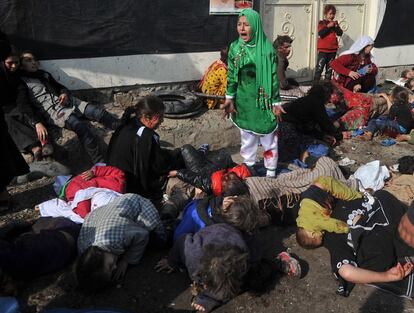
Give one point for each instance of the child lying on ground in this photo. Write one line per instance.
(210, 177)
(315, 211)
(398, 121)
(57, 107)
(219, 257)
(113, 237)
(237, 211)
(85, 192)
(48, 247)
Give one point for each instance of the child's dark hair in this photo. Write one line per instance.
(235, 187)
(280, 40)
(408, 84)
(224, 54)
(399, 95)
(221, 270)
(8, 286)
(27, 52)
(329, 7)
(148, 106)
(14, 52)
(242, 213)
(322, 89)
(404, 73)
(89, 270)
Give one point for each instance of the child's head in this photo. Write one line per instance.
(410, 84)
(28, 62)
(283, 44)
(221, 271)
(150, 111)
(95, 268)
(323, 90)
(12, 62)
(399, 95)
(407, 74)
(244, 29)
(224, 54)
(233, 185)
(329, 12)
(309, 239)
(240, 212)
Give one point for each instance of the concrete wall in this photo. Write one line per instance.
(130, 70)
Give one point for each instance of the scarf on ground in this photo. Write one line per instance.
(263, 61)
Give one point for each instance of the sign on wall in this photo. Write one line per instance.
(229, 6)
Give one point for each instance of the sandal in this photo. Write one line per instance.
(288, 264)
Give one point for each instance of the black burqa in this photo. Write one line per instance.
(11, 161)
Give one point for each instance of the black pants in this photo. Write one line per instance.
(324, 60)
(82, 128)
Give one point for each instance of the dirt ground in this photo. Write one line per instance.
(144, 290)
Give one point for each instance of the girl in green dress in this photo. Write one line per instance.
(252, 95)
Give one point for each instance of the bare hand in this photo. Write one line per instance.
(87, 175)
(354, 75)
(399, 271)
(120, 271)
(278, 111)
(228, 107)
(198, 307)
(163, 266)
(406, 230)
(357, 88)
(41, 132)
(172, 174)
(63, 99)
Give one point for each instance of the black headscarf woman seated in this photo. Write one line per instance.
(305, 120)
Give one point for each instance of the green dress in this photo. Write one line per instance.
(250, 115)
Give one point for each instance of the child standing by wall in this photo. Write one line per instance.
(252, 96)
(328, 29)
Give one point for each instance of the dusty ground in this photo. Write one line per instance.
(144, 290)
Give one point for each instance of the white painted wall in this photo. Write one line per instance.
(129, 70)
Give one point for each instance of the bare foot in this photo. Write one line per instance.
(365, 137)
(346, 135)
(402, 137)
(37, 153)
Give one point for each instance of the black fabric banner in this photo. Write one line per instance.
(397, 27)
(62, 29)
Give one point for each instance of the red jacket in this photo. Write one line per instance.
(240, 170)
(327, 40)
(104, 177)
(344, 64)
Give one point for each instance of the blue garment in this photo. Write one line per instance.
(9, 305)
(317, 150)
(381, 123)
(191, 221)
